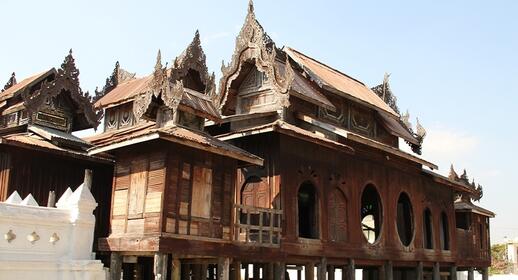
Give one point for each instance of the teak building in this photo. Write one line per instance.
(289, 167)
(38, 153)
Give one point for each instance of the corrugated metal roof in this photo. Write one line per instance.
(468, 206)
(327, 76)
(218, 147)
(10, 92)
(124, 92)
(201, 103)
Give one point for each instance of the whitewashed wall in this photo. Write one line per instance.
(46, 242)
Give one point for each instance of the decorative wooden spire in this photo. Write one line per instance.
(385, 93)
(11, 82)
(453, 175)
(117, 77)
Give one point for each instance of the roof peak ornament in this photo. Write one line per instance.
(117, 77)
(254, 45)
(464, 180)
(67, 79)
(11, 82)
(385, 93)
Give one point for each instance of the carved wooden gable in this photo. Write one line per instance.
(187, 83)
(55, 99)
(254, 46)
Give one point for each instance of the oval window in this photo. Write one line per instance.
(371, 214)
(405, 219)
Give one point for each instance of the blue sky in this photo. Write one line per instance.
(454, 64)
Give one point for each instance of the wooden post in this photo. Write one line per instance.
(309, 271)
(223, 268)
(196, 271)
(331, 272)
(453, 272)
(236, 272)
(351, 270)
(381, 272)
(176, 269)
(204, 267)
(268, 271)
(322, 269)
(299, 274)
(247, 272)
(160, 266)
(471, 275)
(280, 271)
(389, 274)
(419, 271)
(115, 266)
(436, 271)
(485, 273)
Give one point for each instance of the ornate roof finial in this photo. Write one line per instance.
(420, 131)
(68, 68)
(453, 175)
(158, 64)
(464, 177)
(11, 82)
(118, 76)
(250, 6)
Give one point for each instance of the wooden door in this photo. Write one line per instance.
(138, 185)
(255, 193)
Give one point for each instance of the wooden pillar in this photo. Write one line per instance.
(223, 268)
(309, 271)
(268, 271)
(196, 271)
(350, 271)
(115, 266)
(322, 269)
(453, 272)
(331, 272)
(485, 273)
(280, 271)
(176, 269)
(471, 274)
(160, 266)
(389, 271)
(419, 271)
(381, 272)
(436, 271)
(299, 273)
(236, 271)
(204, 267)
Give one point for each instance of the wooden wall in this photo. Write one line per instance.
(169, 188)
(37, 173)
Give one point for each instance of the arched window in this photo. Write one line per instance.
(427, 229)
(337, 216)
(445, 236)
(371, 214)
(405, 219)
(308, 211)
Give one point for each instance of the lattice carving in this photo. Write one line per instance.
(67, 79)
(11, 82)
(253, 44)
(193, 58)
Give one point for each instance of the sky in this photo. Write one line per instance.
(453, 64)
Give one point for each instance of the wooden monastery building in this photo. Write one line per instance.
(288, 169)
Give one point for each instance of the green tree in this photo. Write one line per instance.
(500, 264)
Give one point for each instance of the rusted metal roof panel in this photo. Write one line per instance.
(177, 134)
(200, 103)
(326, 76)
(124, 92)
(10, 92)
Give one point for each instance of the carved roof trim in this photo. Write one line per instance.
(67, 78)
(253, 44)
(117, 77)
(11, 82)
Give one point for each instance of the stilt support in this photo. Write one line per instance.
(176, 269)
(160, 266)
(419, 271)
(115, 266)
(223, 268)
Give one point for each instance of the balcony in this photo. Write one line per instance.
(257, 226)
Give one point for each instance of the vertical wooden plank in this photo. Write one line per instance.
(115, 266)
(437, 272)
(351, 270)
(176, 269)
(138, 185)
(322, 269)
(223, 268)
(309, 271)
(160, 266)
(453, 272)
(471, 274)
(389, 274)
(485, 273)
(419, 271)
(236, 271)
